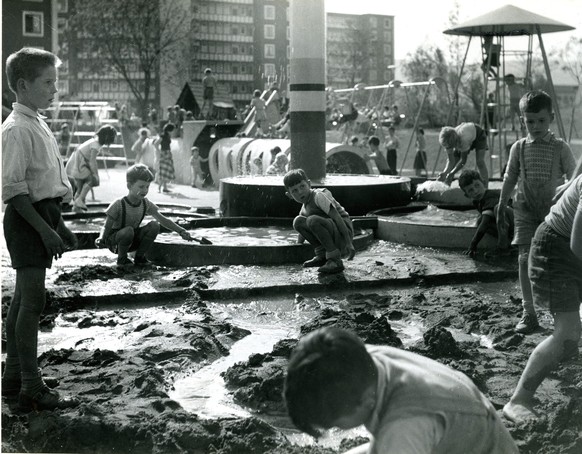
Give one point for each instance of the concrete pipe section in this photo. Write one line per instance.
(244, 241)
(264, 196)
(424, 224)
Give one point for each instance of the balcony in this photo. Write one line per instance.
(222, 18)
(226, 57)
(224, 37)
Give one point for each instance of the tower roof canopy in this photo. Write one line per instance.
(508, 20)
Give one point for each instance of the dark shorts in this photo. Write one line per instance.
(420, 160)
(480, 142)
(23, 242)
(555, 272)
(209, 93)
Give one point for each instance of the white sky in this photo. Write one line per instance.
(418, 22)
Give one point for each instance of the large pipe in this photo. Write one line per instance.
(307, 87)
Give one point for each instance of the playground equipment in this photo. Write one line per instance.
(245, 156)
(271, 98)
(493, 28)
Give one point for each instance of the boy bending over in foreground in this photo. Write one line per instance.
(408, 403)
(487, 202)
(122, 232)
(322, 221)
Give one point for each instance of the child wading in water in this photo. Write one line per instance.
(122, 232)
(322, 221)
(555, 270)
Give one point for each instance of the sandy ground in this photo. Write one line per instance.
(124, 385)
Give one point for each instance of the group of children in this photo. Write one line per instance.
(409, 403)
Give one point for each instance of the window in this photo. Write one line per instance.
(62, 6)
(32, 23)
(269, 69)
(269, 51)
(269, 31)
(269, 12)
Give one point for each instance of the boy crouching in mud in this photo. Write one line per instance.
(487, 203)
(122, 232)
(322, 221)
(407, 402)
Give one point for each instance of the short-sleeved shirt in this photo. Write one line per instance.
(471, 136)
(561, 216)
(31, 161)
(423, 406)
(322, 200)
(393, 143)
(125, 214)
(487, 203)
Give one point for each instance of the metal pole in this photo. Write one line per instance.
(416, 120)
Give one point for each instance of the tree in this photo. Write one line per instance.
(132, 36)
(354, 52)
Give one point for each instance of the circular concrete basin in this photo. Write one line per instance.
(423, 224)
(243, 241)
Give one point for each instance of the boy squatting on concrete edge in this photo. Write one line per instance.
(322, 221)
(487, 202)
(408, 403)
(122, 232)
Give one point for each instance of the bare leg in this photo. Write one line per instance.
(147, 235)
(560, 346)
(524, 282)
(482, 166)
(124, 239)
(30, 282)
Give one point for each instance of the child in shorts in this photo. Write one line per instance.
(486, 201)
(407, 402)
(420, 157)
(34, 184)
(196, 167)
(555, 271)
(458, 142)
(322, 221)
(378, 156)
(122, 232)
(537, 165)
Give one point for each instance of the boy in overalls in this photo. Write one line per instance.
(537, 164)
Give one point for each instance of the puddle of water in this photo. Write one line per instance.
(239, 236)
(433, 215)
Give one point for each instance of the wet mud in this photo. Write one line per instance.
(123, 388)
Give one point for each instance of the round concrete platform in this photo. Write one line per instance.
(194, 254)
(405, 231)
(264, 196)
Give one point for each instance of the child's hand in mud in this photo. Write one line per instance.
(186, 235)
(470, 252)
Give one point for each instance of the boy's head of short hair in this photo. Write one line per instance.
(139, 172)
(330, 375)
(106, 134)
(27, 64)
(509, 78)
(257, 93)
(294, 177)
(195, 149)
(168, 128)
(468, 176)
(535, 101)
(448, 137)
(374, 141)
(391, 129)
(421, 131)
(144, 132)
(281, 158)
(207, 71)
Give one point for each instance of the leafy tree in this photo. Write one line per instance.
(354, 52)
(129, 37)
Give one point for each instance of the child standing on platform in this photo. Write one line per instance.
(122, 232)
(34, 184)
(537, 165)
(420, 157)
(555, 270)
(196, 168)
(260, 114)
(209, 85)
(322, 221)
